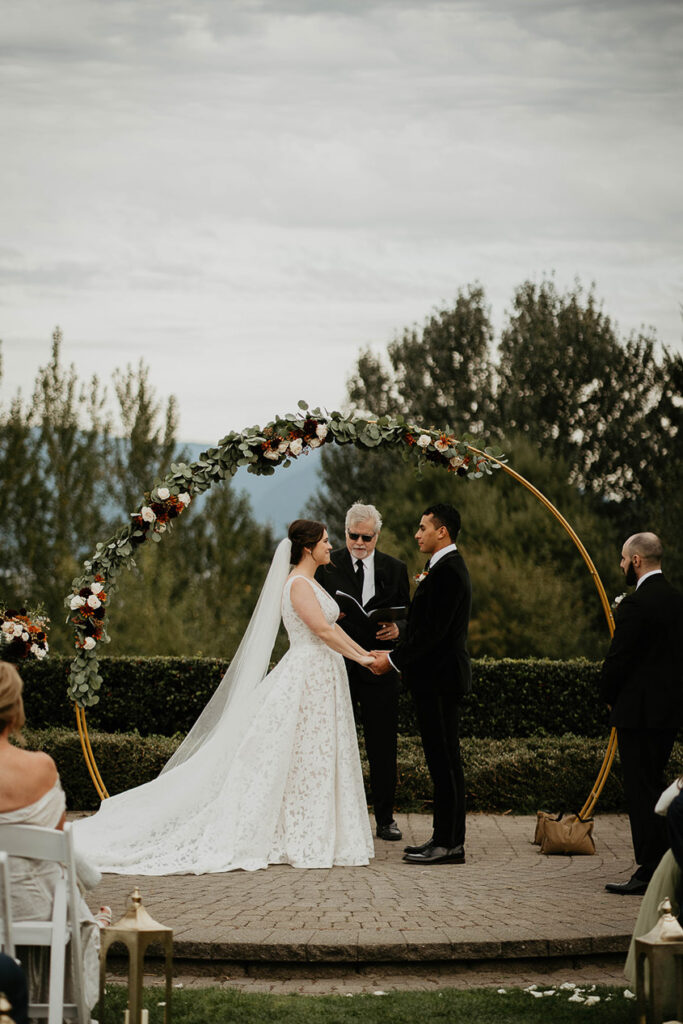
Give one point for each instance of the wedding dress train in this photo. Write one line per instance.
(277, 780)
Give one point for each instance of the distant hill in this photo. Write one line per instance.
(276, 499)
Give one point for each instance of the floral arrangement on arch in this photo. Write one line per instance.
(261, 450)
(23, 634)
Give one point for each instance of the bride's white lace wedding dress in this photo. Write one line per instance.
(277, 781)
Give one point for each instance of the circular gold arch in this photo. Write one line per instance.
(261, 450)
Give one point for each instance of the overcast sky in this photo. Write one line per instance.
(245, 193)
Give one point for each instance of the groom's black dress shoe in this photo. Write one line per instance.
(437, 855)
(390, 832)
(634, 887)
(421, 848)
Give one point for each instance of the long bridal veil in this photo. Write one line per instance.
(179, 822)
(237, 689)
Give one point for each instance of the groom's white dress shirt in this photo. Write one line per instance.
(440, 554)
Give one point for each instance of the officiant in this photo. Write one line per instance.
(376, 581)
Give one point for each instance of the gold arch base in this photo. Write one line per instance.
(589, 806)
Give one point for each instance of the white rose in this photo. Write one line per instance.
(441, 446)
(46, 647)
(76, 602)
(296, 446)
(24, 637)
(315, 442)
(147, 514)
(34, 649)
(8, 627)
(160, 527)
(270, 453)
(456, 461)
(424, 441)
(89, 643)
(163, 494)
(93, 602)
(321, 430)
(18, 629)
(282, 447)
(184, 498)
(97, 588)
(40, 654)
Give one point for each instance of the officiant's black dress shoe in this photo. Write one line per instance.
(634, 887)
(437, 855)
(421, 848)
(390, 832)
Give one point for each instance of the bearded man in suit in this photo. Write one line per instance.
(642, 683)
(377, 581)
(433, 659)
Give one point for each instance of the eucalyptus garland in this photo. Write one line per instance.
(261, 450)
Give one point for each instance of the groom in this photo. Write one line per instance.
(434, 662)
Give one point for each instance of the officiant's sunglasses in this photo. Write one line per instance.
(367, 537)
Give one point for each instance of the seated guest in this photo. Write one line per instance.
(13, 987)
(31, 794)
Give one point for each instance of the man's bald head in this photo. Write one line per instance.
(648, 546)
(641, 553)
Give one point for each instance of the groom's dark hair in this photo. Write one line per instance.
(445, 515)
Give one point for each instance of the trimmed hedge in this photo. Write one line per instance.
(165, 695)
(520, 775)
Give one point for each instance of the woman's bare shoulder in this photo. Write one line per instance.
(35, 772)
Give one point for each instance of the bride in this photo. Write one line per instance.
(270, 772)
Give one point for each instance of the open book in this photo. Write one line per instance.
(350, 606)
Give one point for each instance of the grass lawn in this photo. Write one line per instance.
(450, 1006)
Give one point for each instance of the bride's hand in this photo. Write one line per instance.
(367, 660)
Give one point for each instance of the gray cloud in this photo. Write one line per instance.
(303, 173)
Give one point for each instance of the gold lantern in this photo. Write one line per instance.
(137, 930)
(661, 949)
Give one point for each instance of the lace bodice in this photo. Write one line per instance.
(297, 630)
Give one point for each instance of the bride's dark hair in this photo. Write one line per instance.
(304, 533)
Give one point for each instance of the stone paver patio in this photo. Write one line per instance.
(507, 904)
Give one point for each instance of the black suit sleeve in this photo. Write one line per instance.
(443, 607)
(625, 650)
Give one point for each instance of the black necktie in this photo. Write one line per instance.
(360, 576)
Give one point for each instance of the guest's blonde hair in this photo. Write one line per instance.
(11, 703)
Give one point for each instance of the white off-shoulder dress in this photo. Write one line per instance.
(289, 792)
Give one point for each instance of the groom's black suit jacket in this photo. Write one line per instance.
(432, 656)
(391, 589)
(642, 675)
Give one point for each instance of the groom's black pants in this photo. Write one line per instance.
(375, 703)
(438, 716)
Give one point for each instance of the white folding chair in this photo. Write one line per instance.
(6, 933)
(56, 846)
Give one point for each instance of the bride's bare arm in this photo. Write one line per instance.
(307, 607)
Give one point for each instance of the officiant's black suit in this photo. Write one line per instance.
(434, 662)
(642, 680)
(375, 698)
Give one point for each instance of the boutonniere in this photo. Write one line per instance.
(617, 600)
(421, 576)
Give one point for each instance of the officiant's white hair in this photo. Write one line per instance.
(359, 513)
